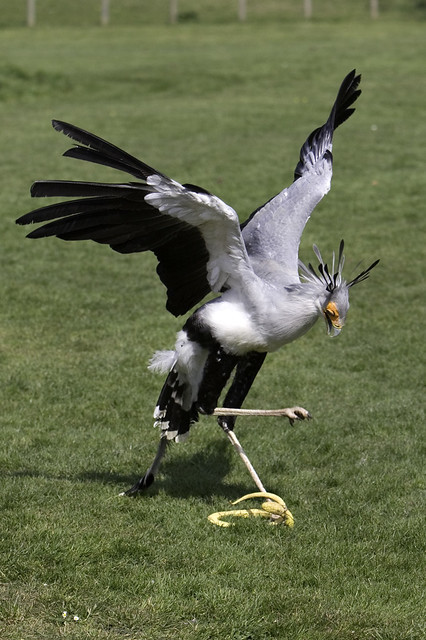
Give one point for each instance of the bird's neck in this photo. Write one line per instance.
(294, 314)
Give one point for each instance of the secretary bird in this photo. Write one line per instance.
(266, 296)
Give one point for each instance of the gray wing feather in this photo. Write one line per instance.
(272, 234)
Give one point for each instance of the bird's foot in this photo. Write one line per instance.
(296, 413)
(273, 508)
(142, 484)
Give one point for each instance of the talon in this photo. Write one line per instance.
(297, 413)
(303, 414)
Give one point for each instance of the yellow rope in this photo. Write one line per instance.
(274, 508)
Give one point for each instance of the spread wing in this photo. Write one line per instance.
(195, 235)
(272, 234)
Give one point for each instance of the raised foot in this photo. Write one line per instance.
(296, 413)
(292, 413)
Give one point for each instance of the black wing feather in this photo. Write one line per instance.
(88, 206)
(320, 138)
(107, 153)
(118, 215)
(91, 155)
(72, 188)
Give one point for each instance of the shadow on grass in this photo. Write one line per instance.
(198, 475)
(201, 474)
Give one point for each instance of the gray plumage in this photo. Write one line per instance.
(266, 297)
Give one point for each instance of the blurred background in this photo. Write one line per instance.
(144, 12)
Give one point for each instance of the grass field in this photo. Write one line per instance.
(227, 107)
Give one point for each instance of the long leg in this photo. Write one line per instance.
(147, 480)
(236, 443)
(218, 368)
(247, 369)
(292, 413)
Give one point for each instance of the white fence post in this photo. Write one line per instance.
(104, 12)
(307, 8)
(173, 11)
(374, 8)
(242, 10)
(31, 13)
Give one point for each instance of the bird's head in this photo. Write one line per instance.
(335, 309)
(334, 290)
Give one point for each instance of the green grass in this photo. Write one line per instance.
(228, 108)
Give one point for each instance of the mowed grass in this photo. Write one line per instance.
(227, 108)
